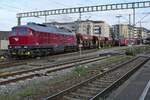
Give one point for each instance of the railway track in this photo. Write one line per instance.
(11, 63)
(41, 71)
(97, 87)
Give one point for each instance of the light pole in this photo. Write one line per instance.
(79, 24)
(119, 16)
(141, 31)
(45, 18)
(129, 27)
(140, 22)
(99, 30)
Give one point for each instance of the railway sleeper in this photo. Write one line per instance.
(69, 98)
(81, 96)
(86, 92)
(39, 74)
(104, 81)
(95, 85)
(90, 88)
(100, 83)
(117, 73)
(110, 78)
(117, 76)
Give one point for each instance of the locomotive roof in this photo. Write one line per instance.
(49, 29)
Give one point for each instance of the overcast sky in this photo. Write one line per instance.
(9, 9)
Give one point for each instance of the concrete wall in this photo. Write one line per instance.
(4, 35)
(4, 44)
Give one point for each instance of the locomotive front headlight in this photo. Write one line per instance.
(17, 47)
(25, 46)
(14, 53)
(28, 53)
(10, 47)
(31, 33)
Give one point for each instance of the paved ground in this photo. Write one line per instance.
(136, 88)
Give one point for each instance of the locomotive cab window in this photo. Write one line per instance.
(13, 32)
(23, 31)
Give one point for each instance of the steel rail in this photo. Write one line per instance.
(10, 63)
(57, 96)
(47, 69)
(118, 82)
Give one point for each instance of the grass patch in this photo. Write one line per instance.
(8, 97)
(80, 71)
(109, 61)
(117, 58)
(133, 51)
(28, 92)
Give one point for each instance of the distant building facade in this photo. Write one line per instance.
(142, 33)
(97, 28)
(122, 30)
(129, 32)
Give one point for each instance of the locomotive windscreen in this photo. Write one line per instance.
(19, 31)
(23, 31)
(13, 32)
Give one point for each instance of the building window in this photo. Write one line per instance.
(97, 30)
(88, 29)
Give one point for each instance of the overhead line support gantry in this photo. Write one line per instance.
(118, 6)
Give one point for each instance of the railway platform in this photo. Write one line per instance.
(137, 87)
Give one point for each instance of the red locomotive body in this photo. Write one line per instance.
(36, 39)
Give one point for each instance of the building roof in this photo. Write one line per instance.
(48, 29)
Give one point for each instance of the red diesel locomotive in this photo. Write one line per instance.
(39, 40)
